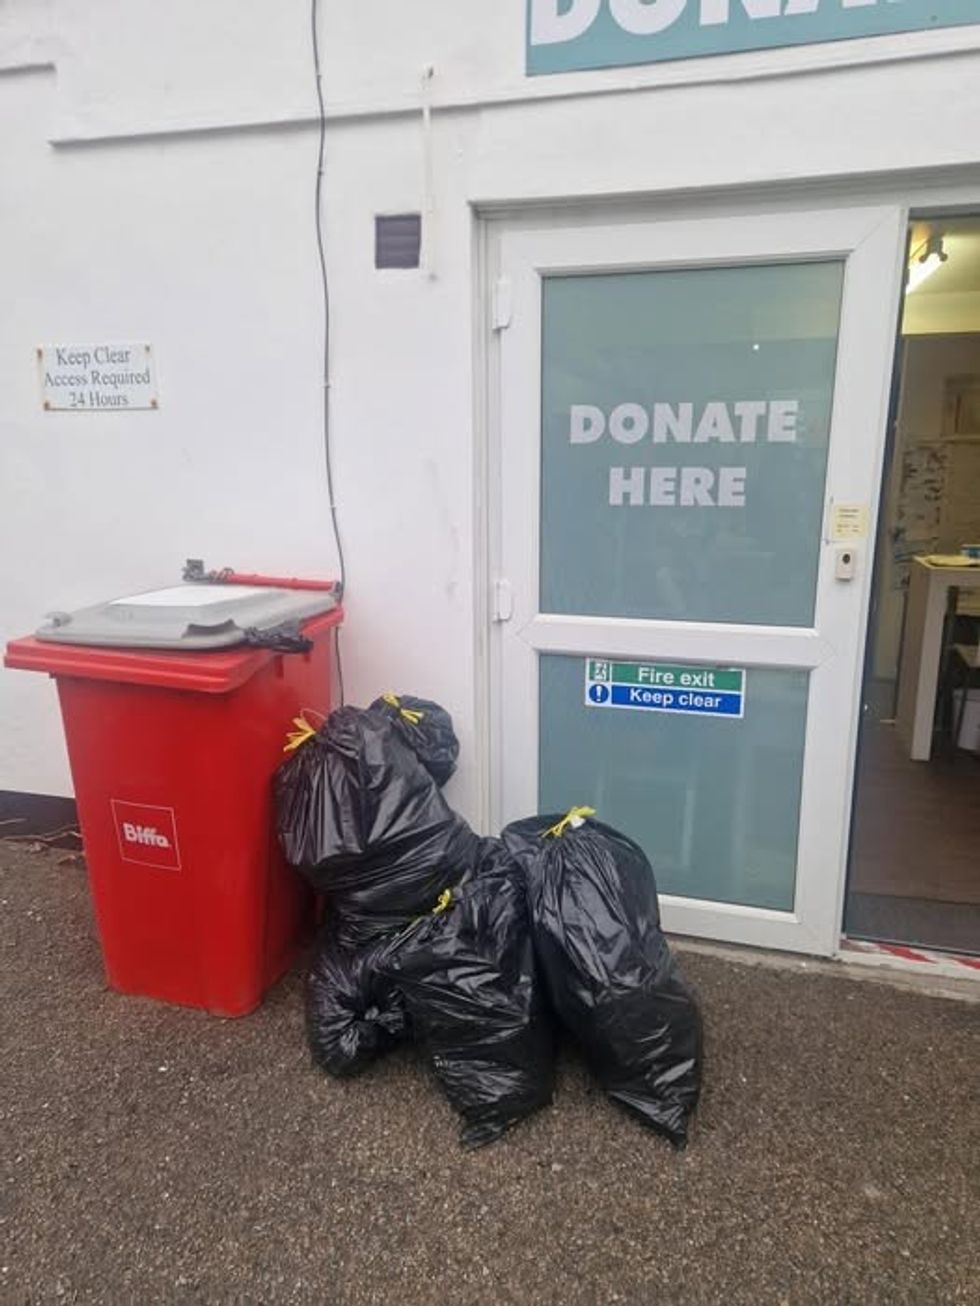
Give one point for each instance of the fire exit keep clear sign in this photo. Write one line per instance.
(659, 687)
(566, 35)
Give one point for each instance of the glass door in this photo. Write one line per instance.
(691, 425)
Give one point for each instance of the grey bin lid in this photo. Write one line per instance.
(195, 616)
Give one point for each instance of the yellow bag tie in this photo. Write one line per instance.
(575, 817)
(408, 714)
(444, 903)
(303, 733)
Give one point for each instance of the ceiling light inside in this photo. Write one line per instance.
(925, 260)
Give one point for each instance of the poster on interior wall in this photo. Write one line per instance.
(107, 376)
(960, 516)
(961, 407)
(570, 35)
(919, 507)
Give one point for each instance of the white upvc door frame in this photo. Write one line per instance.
(871, 239)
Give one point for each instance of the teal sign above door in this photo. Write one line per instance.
(566, 35)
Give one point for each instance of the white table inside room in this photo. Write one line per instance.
(918, 680)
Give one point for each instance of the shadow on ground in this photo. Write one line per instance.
(160, 1155)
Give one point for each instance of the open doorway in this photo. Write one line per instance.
(915, 852)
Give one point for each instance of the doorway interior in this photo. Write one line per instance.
(915, 853)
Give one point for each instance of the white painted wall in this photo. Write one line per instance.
(157, 183)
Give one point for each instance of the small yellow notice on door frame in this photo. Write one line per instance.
(848, 521)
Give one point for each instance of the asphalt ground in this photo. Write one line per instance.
(153, 1154)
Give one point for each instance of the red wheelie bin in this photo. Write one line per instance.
(174, 729)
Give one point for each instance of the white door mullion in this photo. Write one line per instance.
(759, 646)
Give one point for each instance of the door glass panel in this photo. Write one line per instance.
(685, 425)
(714, 802)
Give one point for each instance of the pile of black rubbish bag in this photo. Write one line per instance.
(482, 950)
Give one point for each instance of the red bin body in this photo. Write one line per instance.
(172, 756)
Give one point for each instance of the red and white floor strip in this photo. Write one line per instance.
(915, 960)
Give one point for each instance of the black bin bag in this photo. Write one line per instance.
(353, 1014)
(475, 1001)
(428, 730)
(608, 970)
(360, 816)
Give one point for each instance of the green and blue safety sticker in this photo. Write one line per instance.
(689, 689)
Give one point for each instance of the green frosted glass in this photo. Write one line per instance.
(725, 525)
(715, 803)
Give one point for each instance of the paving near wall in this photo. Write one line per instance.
(158, 1154)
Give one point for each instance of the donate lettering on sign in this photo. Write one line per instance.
(564, 35)
(687, 485)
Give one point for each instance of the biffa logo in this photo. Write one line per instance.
(144, 834)
(147, 835)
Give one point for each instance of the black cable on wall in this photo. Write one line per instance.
(321, 251)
